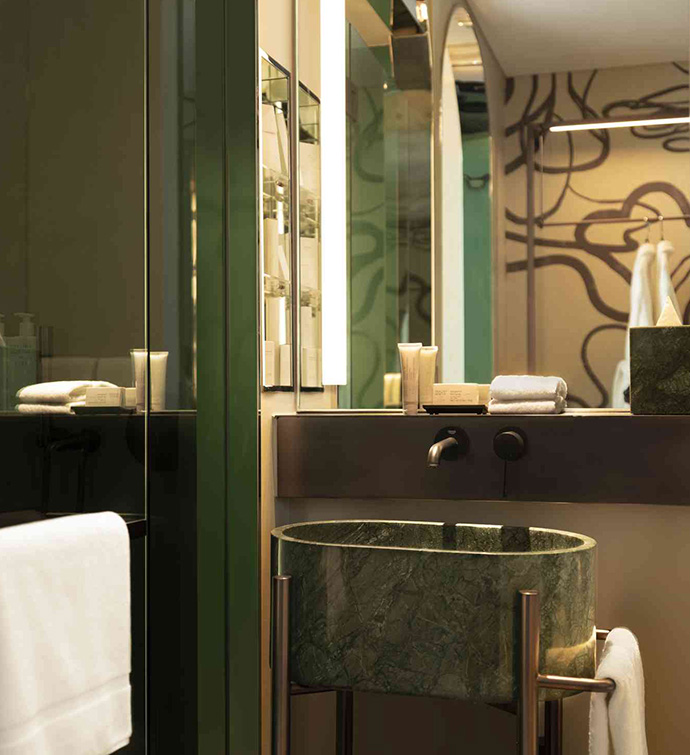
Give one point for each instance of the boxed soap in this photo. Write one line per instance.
(456, 394)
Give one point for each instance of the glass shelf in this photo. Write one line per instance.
(276, 255)
(310, 319)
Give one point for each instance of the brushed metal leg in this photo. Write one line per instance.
(345, 722)
(281, 666)
(528, 707)
(553, 727)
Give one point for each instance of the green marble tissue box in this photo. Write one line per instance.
(660, 370)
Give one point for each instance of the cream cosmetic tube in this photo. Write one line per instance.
(427, 374)
(159, 366)
(409, 363)
(159, 363)
(139, 375)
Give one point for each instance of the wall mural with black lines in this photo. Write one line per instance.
(583, 272)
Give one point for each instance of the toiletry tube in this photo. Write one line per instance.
(159, 366)
(271, 245)
(283, 264)
(308, 331)
(275, 309)
(139, 375)
(285, 352)
(269, 364)
(427, 374)
(409, 363)
(391, 390)
(311, 358)
(309, 262)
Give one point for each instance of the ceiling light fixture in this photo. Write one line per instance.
(630, 123)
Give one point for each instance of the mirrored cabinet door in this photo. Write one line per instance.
(275, 233)
(310, 241)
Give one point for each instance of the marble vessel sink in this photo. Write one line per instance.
(430, 609)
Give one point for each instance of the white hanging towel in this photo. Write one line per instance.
(65, 640)
(642, 295)
(665, 289)
(617, 723)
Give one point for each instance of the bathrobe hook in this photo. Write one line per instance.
(661, 226)
(647, 226)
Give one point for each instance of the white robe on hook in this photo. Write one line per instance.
(642, 296)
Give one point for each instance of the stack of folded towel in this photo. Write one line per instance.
(57, 397)
(527, 394)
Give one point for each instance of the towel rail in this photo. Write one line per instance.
(531, 680)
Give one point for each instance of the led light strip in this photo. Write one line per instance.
(334, 197)
(597, 125)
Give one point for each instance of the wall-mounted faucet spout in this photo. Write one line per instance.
(433, 458)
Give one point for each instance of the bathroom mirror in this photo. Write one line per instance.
(535, 228)
(387, 261)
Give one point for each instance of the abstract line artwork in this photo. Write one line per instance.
(583, 272)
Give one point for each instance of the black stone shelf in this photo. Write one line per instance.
(576, 457)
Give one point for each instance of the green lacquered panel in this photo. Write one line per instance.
(228, 562)
(212, 380)
(242, 429)
(431, 609)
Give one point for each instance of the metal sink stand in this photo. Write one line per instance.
(531, 681)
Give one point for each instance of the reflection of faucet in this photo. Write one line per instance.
(433, 458)
(85, 442)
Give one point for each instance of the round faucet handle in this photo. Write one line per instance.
(510, 444)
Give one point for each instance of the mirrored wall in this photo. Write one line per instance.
(517, 253)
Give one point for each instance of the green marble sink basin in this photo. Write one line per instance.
(430, 609)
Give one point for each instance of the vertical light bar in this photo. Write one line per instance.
(333, 193)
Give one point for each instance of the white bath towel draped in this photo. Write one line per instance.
(65, 640)
(642, 296)
(617, 722)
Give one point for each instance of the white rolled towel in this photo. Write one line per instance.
(528, 388)
(59, 391)
(48, 408)
(557, 406)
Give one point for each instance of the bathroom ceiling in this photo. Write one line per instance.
(533, 36)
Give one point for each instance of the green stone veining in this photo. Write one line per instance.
(660, 370)
(431, 609)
